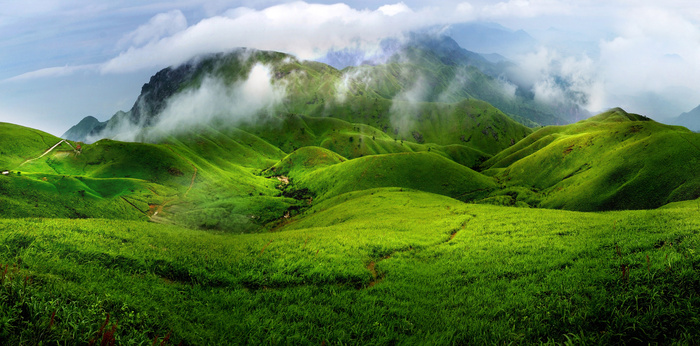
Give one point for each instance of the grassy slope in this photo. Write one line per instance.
(422, 171)
(353, 140)
(66, 184)
(228, 192)
(372, 267)
(19, 144)
(366, 97)
(212, 179)
(471, 123)
(614, 160)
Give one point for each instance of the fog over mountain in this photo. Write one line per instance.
(70, 59)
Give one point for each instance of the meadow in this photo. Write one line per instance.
(375, 266)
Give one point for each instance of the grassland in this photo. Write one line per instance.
(614, 160)
(369, 267)
(313, 230)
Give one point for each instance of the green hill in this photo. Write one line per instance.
(352, 140)
(19, 144)
(423, 171)
(614, 160)
(334, 245)
(212, 178)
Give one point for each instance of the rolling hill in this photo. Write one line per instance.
(614, 160)
(370, 247)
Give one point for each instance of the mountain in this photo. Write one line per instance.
(614, 160)
(447, 66)
(83, 129)
(419, 76)
(393, 96)
(690, 119)
(487, 37)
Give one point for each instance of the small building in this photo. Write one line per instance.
(5, 172)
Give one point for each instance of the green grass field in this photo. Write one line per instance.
(307, 230)
(369, 267)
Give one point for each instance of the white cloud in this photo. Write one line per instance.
(405, 107)
(392, 10)
(557, 79)
(655, 52)
(645, 46)
(303, 29)
(60, 71)
(526, 8)
(215, 100)
(161, 25)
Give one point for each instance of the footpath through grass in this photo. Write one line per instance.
(370, 267)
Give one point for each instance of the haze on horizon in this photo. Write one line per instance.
(64, 60)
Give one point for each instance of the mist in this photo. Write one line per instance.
(213, 101)
(405, 106)
(555, 79)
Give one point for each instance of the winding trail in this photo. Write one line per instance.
(193, 167)
(378, 277)
(47, 151)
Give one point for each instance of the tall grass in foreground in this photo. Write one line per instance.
(374, 267)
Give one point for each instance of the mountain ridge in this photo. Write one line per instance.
(689, 119)
(426, 68)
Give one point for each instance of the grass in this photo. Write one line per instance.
(370, 242)
(422, 171)
(611, 161)
(442, 272)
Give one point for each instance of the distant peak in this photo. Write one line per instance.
(618, 110)
(89, 118)
(618, 114)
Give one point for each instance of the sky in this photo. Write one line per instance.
(62, 60)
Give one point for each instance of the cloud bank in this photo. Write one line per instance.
(644, 60)
(302, 29)
(651, 49)
(211, 102)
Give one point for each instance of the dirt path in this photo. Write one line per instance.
(456, 230)
(378, 277)
(46, 152)
(265, 247)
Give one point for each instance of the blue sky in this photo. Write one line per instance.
(63, 60)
